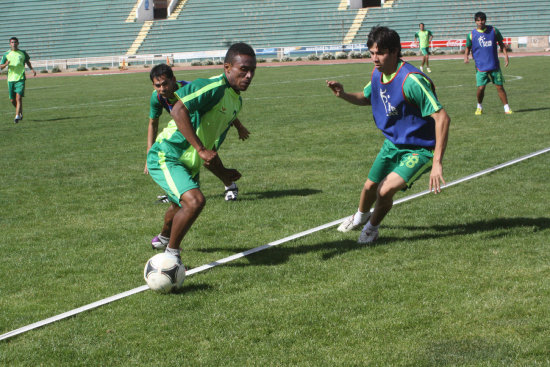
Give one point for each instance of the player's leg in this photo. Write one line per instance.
(407, 166)
(498, 81)
(380, 168)
(386, 190)
(192, 202)
(18, 106)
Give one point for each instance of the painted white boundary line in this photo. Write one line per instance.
(251, 251)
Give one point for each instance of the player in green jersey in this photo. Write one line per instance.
(424, 37)
(205, 110)
(15, 60)
(163, 98)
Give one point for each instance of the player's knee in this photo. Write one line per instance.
(193, 199)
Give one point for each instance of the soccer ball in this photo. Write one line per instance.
(164, 272)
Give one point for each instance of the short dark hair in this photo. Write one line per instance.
(14, 39)
(240, 48)
(384, 38)
(161, 69)
(480, 15)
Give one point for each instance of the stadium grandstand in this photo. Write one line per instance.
(57, 30)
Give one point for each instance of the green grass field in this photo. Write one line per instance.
(456, 279)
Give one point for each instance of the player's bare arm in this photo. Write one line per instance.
(505, 52)
(442, 122)
(152, 132)
(466, 53)
(241, 129)
(30, 67)
(358, 99)
(2, 66)
(180, 114)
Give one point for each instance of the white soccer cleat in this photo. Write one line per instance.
(231, 192)
(347, 225)
(367, 236)
(429, 70)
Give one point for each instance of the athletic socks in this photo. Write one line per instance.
(369, 227)
(479, 106)
(360, 217)
(173, 251)
(506, 108)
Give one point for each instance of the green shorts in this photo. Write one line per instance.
(16, 88)
(494, 76)
(170, 174)
(425, 50)
(409, 162)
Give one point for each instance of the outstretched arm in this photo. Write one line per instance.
(353, 98)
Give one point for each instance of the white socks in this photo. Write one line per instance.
(369, 227)
(506, 108)
(231, 187)
(173, 251)
(360, 217)
(479, 106)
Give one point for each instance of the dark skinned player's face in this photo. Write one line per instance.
(240, 72)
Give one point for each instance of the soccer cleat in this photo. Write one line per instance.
(347, 225)
(429, 70)
(162, 199)
(231, 192)
(159, 242)
(17, 119)
(367, 236)
(421, 69)
(479, 111)
(509, 112)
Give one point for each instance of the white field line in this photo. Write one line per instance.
(251, 251)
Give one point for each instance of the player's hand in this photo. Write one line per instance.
(436, 178)
(207, 156)
(336, 87)
(145, 170)
(466, 59)
(243, 132)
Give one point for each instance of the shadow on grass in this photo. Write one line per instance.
(280, 255)
(532, 109)
(256, 195)
(189, 288)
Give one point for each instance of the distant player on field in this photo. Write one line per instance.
(424, 37)
(15, 59)
(205, 110)
(163, 98)
(483, 42)
(406, 109)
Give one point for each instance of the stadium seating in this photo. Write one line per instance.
(54, 29)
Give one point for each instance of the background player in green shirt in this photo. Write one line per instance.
(425, 37)
(205, 109)
(15, 59)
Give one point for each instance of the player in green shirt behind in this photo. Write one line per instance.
(205, 110)
(15, 59)
(425, 37)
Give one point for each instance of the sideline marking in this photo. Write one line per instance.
(251, 251)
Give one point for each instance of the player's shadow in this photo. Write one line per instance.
(274, 194)
(190, 288)
(532, 109)
(501, 227)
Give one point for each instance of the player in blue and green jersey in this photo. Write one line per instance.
(405, 108)
(15, 59)
(163, 98)
(484, 42)
(205, 110)
(424, 37)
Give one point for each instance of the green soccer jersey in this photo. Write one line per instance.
(417, 90)
(212, 106)
(16, 67)
(424, 38)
